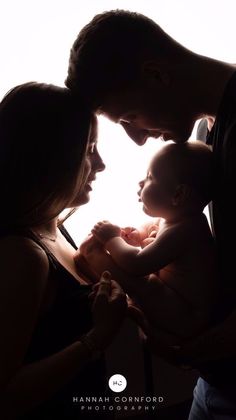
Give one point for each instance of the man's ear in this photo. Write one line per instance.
(181, 195)
(154, 72)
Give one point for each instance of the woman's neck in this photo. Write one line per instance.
(48, 228)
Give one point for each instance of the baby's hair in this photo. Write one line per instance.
(193, 164)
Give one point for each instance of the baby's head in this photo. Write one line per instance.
(180, 179)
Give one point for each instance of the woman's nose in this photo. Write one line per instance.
(99, 165)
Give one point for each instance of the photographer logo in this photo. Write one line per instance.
(117, 383)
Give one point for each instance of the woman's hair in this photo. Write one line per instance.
(44, 132)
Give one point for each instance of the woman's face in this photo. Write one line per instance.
(93, 164)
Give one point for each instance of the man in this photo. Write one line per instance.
(127, 68)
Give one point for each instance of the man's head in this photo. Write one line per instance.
(130, 70)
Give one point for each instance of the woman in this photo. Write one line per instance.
(52, 335)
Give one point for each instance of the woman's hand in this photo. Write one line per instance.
(109, 310)
(104, 231)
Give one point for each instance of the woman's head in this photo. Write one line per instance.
(44, 135)
(92, 164)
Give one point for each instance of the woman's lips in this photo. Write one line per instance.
(88, 184)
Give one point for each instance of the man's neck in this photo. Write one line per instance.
(212, 77)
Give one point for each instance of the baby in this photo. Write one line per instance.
(176, 256)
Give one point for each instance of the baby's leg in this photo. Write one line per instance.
(96, 257)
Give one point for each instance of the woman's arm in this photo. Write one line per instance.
(22, 287)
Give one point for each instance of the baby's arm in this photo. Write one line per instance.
(145, 291)
(163, 250)
(161, 304)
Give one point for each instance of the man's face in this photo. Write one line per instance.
(145, 112)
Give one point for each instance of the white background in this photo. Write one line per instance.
(35, 39)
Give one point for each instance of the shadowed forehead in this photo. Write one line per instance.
(165, 159)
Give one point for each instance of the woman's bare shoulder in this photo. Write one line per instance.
(18, 252)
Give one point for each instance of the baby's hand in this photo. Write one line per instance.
(131, 236)
(104, 231)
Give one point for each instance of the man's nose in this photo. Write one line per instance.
(138, 135)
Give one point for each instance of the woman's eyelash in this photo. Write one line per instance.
(92, 148)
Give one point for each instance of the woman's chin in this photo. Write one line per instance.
(80, 200)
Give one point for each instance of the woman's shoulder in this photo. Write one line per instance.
(22, 254)
(20, 243)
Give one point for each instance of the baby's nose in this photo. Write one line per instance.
(141, 184)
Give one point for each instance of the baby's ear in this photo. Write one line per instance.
(181, 195)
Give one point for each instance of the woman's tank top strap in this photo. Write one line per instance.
(66, 234)
(28, 233)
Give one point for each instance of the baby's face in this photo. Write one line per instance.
(157, 189)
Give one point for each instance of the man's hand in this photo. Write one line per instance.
(104, 231)
(164, 345)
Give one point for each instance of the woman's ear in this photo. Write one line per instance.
(181, 195)
(154, 72)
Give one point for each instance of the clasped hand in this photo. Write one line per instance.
(104, 231)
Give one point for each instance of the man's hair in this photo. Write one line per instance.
(109, 51)
(44, 133)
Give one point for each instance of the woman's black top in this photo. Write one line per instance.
(68, 318)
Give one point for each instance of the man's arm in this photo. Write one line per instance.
(216, 343)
